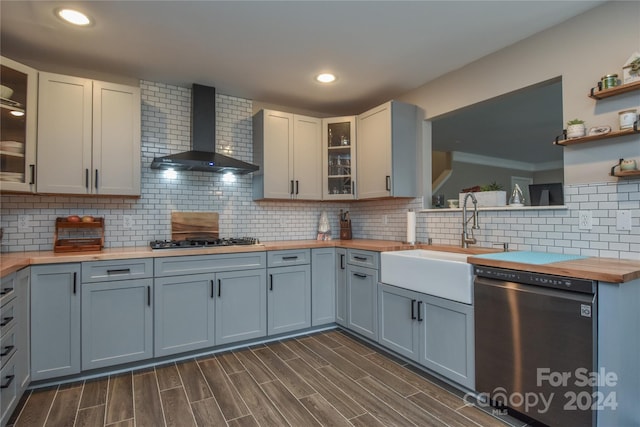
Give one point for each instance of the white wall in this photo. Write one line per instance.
(581, 50)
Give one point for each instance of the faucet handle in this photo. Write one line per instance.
(505, 246)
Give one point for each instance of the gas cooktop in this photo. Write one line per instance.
(203, 243)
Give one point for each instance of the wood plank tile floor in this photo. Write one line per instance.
(324, 379)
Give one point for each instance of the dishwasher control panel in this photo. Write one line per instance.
(546, 280)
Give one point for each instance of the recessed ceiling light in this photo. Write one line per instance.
(326, 78)
(73, 17)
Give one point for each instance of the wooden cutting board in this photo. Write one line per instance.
(194, 225)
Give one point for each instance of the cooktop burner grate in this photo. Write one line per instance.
(203, 243)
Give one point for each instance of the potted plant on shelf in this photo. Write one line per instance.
(576, 128)
(487, 195)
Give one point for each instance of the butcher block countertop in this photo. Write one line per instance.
(603, 269)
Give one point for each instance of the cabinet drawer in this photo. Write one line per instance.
(7, 316)
(288, 257)
(367, 259)
(8, 288)
(7, 346)
(8, 389)
(102, 271)
(194, 264)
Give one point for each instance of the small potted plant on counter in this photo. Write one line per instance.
(487, 195)
(576, 128)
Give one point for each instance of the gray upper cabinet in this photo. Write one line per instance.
(55, 320)
(323, 286)
(88, 136)
(117, 322)
(241, 306)
(341, 287)
(287, 148)
(184, 313)
(387, 151)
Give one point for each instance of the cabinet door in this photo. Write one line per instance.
(116, 322)
(362, 301)
(341, 287)
(64, 134)
(398, 320)
(307, 158)
(323, 286)
(447, 339)
(23, 295)
(339, 157)
(241, 302)
(184, 313)
(278, 155)
(55, 320)
(18, 132)
(374, 153)
(288, 299)
(116, 139)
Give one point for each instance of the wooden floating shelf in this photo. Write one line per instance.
(626, 174)
(612, 134)
(617, 90)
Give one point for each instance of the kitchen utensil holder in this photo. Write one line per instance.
(345, 230)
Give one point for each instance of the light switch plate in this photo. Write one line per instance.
(623, 220)
(585, 220)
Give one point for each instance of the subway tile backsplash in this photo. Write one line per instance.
(166, 129)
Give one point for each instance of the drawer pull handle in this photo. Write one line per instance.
(6, 291)
(290, 258)
(119, 271)
(96, 183)
(420, 319)
(75, 282)
(149, 296)
(341, 261)
(9, 381)
(413, 311)
(32, 169)
(6, 320)
(7, 350)
(271, 282)
(388, 183)
(362, 276)
(211, 283)
(219, 288)
(359, 258)
(86, 178)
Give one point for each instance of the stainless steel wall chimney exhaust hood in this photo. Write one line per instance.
(202, 156)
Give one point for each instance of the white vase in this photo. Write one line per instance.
(576, 131)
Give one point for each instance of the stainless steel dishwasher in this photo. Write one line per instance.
(535, 344)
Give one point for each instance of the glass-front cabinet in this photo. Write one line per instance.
(18, 97)
(339, 161)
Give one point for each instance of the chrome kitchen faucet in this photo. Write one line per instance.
(466, 240)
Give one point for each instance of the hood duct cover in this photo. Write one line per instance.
(202, 156)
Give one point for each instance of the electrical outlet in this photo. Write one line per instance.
(385, 219)
(24, 223)
(127, 222)
(623, 220)
(585, 220)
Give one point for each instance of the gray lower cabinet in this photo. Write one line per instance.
(224, 302)
(341, 287)
(117, 322)
(447, 339)
(289, 291)
(362, 301)
(241, 306)
(55, 320)
(23, 295)
(323, 286)
(184, 313)
(434, 332)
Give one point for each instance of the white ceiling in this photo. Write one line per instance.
(270, 51)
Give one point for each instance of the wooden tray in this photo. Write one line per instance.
(81, 244)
